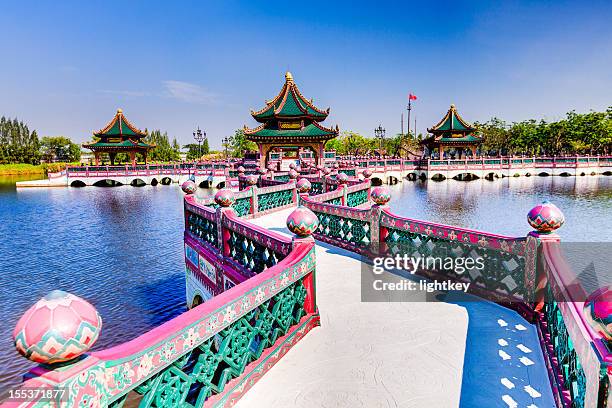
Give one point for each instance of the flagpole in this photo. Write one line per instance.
(402, 123)
(409, 108)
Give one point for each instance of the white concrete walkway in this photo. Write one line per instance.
(366, 354)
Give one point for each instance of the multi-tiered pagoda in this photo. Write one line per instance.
(119, 136)
(290, 122)
(454, 134)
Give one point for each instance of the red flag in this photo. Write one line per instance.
(412, 97)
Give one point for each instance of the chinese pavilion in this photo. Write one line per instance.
(453, 133)
(119, 136)
(290, 122)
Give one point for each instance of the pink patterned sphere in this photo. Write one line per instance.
(224, 197)
(545, 217)
(240, 169)
(367, 173)
(293, 174)
(598, 311)
(326, 171)
(252, 179)
(292, 166)
(342, 178)
(59, 327)
(189, 187)
(302, 222)
(319, 167)
(380, 195)
(303, 185)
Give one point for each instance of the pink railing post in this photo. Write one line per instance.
(254, 201)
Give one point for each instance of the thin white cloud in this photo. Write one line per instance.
(124, 93)
(69, 69)
(188, 92)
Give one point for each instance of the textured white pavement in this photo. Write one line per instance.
(366, 354)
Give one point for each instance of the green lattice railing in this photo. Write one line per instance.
(242, 206)
(252, 255)
(565, 353)
(348, 231)
(206, 370)
(203, 228)
(356, 198)
(275, 199)
(502, 273)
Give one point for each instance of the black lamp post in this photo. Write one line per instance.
(225, 142)
(199, 136)
(379, 133)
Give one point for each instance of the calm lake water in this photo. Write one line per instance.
(121, 248)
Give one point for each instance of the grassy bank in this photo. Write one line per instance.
(22, 168)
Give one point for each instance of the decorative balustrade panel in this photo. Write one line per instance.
(203, 228)
(316, 187)
(348, 230)
(356, 198)
(275, 199)
(563, 348)
(503, 270)
(242, 206)
(206, 370)
(253, 250)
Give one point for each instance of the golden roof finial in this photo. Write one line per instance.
(288, 77)
(119, 111)
(452, 106)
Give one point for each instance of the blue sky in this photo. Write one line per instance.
(67, 66)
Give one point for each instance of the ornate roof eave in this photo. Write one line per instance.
(121, 118)
(452, 110)
(290, 86)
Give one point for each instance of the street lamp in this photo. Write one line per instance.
(225, 142)
(379, 133)
(199, 136)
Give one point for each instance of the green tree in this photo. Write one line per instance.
(59, 148)
(17, 143)
(163, 150)
(238, 144)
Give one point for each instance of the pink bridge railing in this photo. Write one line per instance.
(528, 274)
(262, 301)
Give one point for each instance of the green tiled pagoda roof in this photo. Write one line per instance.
(466, 138)
(120, 126)
(313, 130)
(452, 122)
(125, 143)
(289, 103)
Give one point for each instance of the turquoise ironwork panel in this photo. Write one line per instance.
(274, 199)
(192, 378)
(349, 230)
(242, 206)
(357, 198)
(203, 229)
(502, 272)
(316, 187)
(569, 363)
(252, 255)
